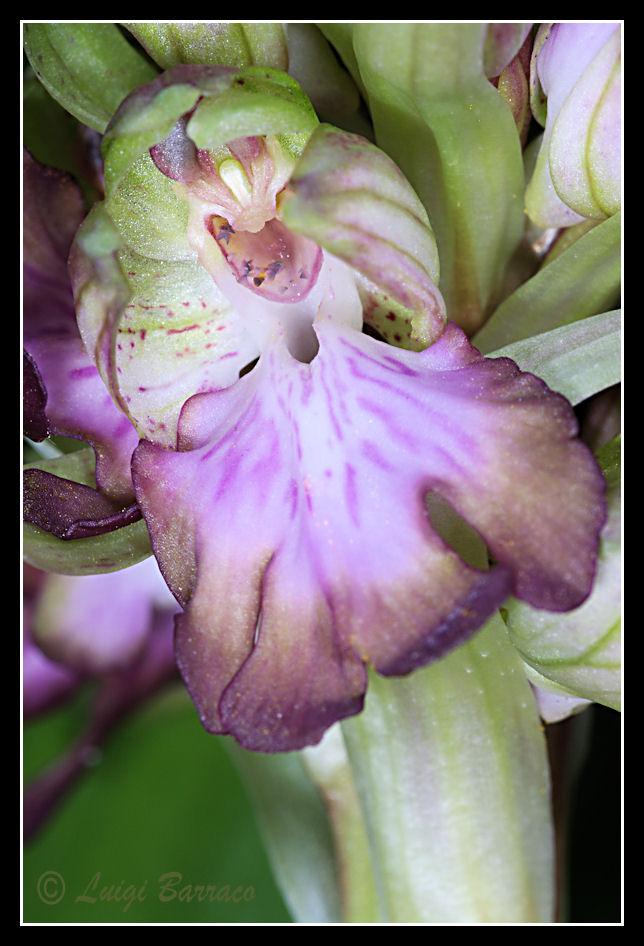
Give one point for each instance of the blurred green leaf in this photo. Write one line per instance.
(56, 139)
(577, 360)
(161, 798)
(583, 281)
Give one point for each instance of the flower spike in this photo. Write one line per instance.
(286, 457)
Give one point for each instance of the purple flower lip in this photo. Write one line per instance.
(292, 524)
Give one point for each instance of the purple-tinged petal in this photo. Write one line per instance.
(71, 510)
(178, 157)
(351, 198)
(53, 210)
(292, 525)
(59, 375)
(502, 44)
(513, 84)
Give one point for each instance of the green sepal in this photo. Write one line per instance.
(89, 68)
(451, 770)
(147, 212)
(259, 101)
(102, 553)
(224, 44)
(55, 138)
(580, 651)
(454, 137)
(100, 291)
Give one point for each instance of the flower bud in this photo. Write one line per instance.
(576, 94)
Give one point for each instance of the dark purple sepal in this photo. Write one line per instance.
(71, 510)
(34, 398)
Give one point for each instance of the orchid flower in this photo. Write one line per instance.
(222, 288)
(271, 332)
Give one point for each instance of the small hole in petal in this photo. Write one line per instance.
(248, 368)
(455, 531)
(303, 343)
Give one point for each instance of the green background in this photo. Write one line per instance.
(163, 797)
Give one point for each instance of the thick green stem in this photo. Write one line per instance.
(452, 774)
